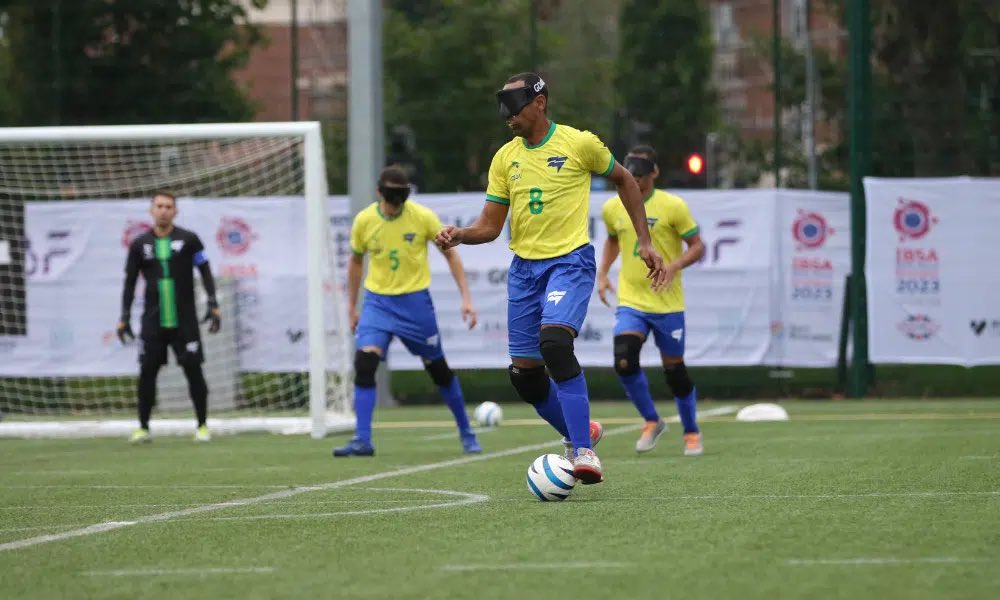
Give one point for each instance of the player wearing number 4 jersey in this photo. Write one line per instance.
(542, 178)
(394, 232)
(640, 310)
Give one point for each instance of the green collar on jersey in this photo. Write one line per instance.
(649, 195)
(552, 129)
(378, 209)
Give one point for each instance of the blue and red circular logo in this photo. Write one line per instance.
(912, 219)
(919, 327)
(810, 230)
(234, 236)
(133, 229)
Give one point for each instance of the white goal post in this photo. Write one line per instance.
(268, 170)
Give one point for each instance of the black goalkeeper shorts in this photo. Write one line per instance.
(186, 342)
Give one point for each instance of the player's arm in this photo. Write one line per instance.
(355, 266)
(608, 256)
(213, 316)
(469, 314)
(485, 229)
(687, 228)
(124, 328)
(695, 250)
(628, 191)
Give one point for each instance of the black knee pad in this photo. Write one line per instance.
(627, 349)
(365, 364)
(557, 350)
(441, 374)
(678, 380)
(531, 383)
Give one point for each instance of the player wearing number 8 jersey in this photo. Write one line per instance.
(542, 178)
(394, 233)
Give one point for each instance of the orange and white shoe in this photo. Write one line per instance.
(651, 432)
(596, 433)
(692, 444)
(587, 467)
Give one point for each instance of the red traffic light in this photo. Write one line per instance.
(695, 164)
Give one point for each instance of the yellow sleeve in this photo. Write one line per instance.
(606, 211)
(683, 222)
(358, 236)
(595, 155)
(497, 189)
(432, 224)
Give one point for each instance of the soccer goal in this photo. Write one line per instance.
(71, 201)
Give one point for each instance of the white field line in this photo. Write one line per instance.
(183, 572)
(463, 499)
(290, 492)
(454, 434)
(876, 561)
(981, 457)
(193, 486)
(535, 566)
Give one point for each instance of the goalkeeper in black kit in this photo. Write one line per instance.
(166, 257)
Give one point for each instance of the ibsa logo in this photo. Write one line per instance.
(912, 219)
(234, 236)
(133, 229)
(810, 230)
(919, 327)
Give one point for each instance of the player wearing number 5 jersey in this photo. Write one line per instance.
(640, 310)
(394, 233)
(542, 178)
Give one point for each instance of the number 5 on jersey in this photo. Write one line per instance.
(393, 259)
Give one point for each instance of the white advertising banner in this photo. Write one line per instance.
(767, 292)
(932, 270)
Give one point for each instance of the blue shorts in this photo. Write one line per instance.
(410, 317)
(668, 328)
(550, 291)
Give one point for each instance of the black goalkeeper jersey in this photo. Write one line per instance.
(167, 264)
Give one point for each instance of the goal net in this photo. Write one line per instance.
(71, 201)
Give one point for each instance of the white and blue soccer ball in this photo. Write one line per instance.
(488, 414)
(550, 478)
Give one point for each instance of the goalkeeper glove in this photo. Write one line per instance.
(212, 317)
(124, 329)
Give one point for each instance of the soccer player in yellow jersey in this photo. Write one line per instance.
(641, 310)
(542, 177)
(395, 231)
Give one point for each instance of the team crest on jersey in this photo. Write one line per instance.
(651, 221)
(516, 167)
(409, 237)
(176, 245)
(557, 162)
(147, 251)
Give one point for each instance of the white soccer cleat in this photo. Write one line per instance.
(596, 434)
(587, 467)
(651, 432)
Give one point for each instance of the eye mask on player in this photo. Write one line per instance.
(512, 101)
(638, 166)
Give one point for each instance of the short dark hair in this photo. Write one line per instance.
(393, 174)
(647, 150)
(530, 79)
(166, 193)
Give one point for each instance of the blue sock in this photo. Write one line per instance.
(452, 395)
(637, 390)
(364, 407)
(552, 411)
(686, 410)
(576, 409)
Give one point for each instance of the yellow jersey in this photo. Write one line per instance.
(548, 189)
(398, 247)
(669, 221)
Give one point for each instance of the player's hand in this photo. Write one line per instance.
(448, 237)
(124, 330)
(213, 317)
(603, 287)
(469, 314)
(352, 314)
(657, 270)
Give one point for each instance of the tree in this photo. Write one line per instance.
(441, 69)
(664, 77)
(131, 61)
